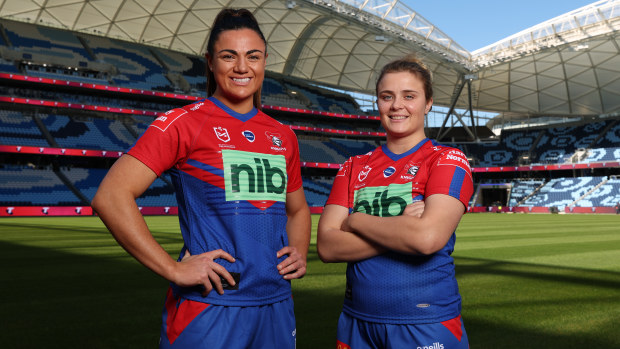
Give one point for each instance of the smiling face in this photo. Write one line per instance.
(238, 64)
(402, 105)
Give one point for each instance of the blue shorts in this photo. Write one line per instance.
(191, 324)
(359, 334)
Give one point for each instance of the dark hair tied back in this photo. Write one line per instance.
(231, 19)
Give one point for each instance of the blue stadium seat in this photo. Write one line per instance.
(23, 186)
(17, 129)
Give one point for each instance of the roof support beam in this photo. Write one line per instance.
(441, 134)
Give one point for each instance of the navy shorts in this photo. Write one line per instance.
(191, 324)
(359, 334)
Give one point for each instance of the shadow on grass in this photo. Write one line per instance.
(526, 305)
(61, 300)
(56, 299)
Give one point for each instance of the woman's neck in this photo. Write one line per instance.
(399, 145)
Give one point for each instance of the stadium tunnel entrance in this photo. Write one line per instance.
(495, 194)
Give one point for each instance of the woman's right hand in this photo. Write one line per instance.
(415, 209)
(201, 269)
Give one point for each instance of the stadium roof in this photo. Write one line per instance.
(568, 65)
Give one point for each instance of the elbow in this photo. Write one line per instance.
(326, 254)
(424, 243)
(95, 203)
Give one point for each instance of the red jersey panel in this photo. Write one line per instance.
(393, 287)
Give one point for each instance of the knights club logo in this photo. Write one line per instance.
(413, 170)
(275, 138)
(222, 134)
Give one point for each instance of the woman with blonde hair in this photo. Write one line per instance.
(391, 216)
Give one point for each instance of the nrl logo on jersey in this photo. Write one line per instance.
(364, 173)
(222, 134)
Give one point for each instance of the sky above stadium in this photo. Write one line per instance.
(474, 24)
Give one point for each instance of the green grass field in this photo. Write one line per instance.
(527, 281)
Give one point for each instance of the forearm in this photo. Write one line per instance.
(335, 245)
(298, 229)
(403, 234)
(412, 234)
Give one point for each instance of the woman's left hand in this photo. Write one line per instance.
(294, 266)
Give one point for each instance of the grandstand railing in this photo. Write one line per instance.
(134, 91)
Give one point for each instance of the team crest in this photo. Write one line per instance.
(249, 135)
(364, 173)
(275, 139)
(222, 134)
(413, 170)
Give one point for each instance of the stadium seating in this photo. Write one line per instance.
(45, 44)
(607, 194)
(19, 129)
(53, 52)
(561, 192)
(521, 189)
(100, 134)
(317, 190)
(558, 144)
(27, 186)
(8, 67)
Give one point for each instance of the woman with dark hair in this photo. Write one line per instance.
(243, 214)
(391, 216)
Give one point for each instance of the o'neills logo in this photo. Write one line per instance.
(435, 345)
(383, 201)
(222, 134)
(364, 173)
(254, 176)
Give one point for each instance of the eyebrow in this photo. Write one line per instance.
(405, 91)
(236, 53)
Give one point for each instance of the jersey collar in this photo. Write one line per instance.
(396, 157)
(241, 117)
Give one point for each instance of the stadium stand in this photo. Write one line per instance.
(19, 129)
(561, 192)
(28, 186)
(522, 189)
(317, 112)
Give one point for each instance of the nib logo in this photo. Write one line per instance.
(254, 176)
(384, 201)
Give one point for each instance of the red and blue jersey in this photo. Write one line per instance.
(394, 287)
(231, 174)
